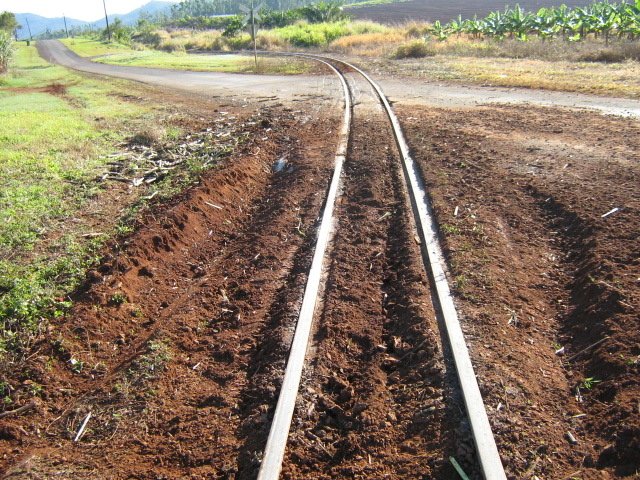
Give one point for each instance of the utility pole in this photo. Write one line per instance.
(64, 17)
(29, 27)
(106, 17)
(253, 35)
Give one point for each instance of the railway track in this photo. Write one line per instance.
(366, 380)
(422, 222)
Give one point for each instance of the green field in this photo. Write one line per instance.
(114, 54)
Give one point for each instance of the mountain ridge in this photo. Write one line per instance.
(40, 25)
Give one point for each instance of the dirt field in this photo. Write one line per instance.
(432, 10)
(520, 195)
(177, 342)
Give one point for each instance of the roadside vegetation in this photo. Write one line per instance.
(8, 24)
(60, 134)
(50, 148)
(122, 55)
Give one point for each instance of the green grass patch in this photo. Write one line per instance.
(55, 128)
(116, 54)
(229, 63)
(89, 47)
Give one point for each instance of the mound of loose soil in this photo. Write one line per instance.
(170, 327)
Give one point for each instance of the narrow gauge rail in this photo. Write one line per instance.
(433, 259)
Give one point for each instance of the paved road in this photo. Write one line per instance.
(209, 83)
(455, 96)
(288, 88)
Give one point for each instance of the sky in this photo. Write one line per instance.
(87, 10)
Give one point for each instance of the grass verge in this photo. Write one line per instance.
(179, 60)
(58, 134)
(617, 79)
(88, 47)
(55, 126)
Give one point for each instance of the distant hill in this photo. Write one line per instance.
(151, 8)
(40, 25)
(432, 10)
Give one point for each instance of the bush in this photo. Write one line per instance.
(303, 34)
(234, 27)
(241, 42)
(366, 41)
(278, 19)
(415, 49)
(6, 51)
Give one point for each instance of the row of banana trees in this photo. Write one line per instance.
(601, 19)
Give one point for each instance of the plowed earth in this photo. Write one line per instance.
(432, 10)
(177, 343)
(520, 196)
(166, 340)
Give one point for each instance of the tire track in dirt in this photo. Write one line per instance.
(537, 268)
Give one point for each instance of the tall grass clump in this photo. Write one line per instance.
(6, 51)
(303, 34)
(414, 49)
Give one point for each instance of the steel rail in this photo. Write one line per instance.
(271, 464)
(488, 455)
(434, 263)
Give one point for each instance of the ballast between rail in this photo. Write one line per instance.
(277, 441)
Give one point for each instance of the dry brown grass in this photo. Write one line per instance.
(370, 44)
(613, 79)
(414, 49)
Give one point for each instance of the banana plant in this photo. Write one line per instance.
(518, 22)
(441, 32)
(456, 26)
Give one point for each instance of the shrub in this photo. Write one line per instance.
(416, 30)
(234, 27)
(6, 51)
(414, 49)
(366, 41)
(240, 42)
(303, 34)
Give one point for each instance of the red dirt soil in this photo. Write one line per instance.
(520, 196)
(177, 342)
(166, 334)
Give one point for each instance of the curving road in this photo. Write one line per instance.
(282, 88)
(208, 83)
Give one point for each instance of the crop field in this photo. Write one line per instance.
(432, 10)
